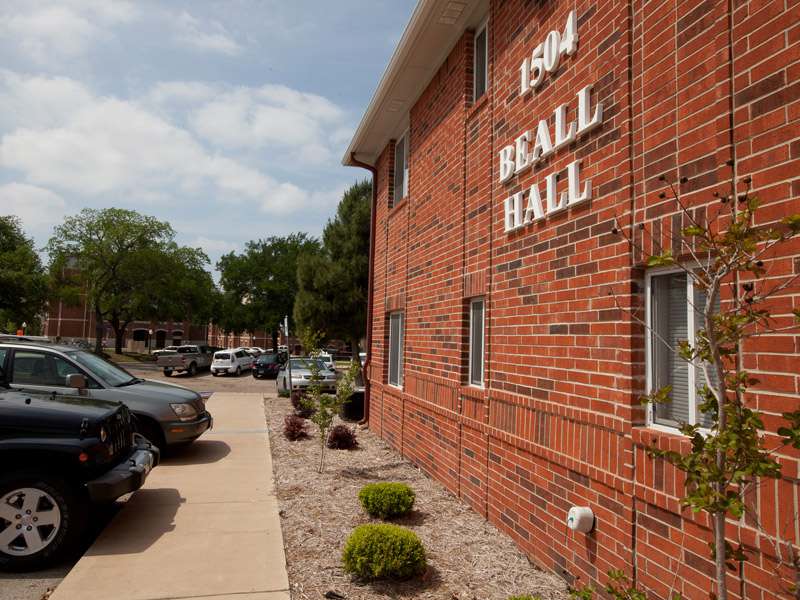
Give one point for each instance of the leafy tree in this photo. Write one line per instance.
(260, 284)
(23, 281)
(333, 284)
(130, 268)
(727, 253)
(162, 283)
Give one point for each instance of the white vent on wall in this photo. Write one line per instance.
(452, 12)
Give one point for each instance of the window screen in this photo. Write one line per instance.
(669, 328)
(481, 63)
(476, 328)
(396, 349)
(401, 169)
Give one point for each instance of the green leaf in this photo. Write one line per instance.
(693, 230)
(793, 223)
(664, 259)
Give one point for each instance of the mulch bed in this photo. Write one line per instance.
(468, 559)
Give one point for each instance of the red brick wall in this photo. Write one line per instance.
(559, 422)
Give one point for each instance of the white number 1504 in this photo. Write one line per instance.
(547, 55)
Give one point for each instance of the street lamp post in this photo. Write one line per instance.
(149, 341)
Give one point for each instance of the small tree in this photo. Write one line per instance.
(727, 252)
(326, 406)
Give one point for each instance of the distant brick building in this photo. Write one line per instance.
(500, 362)
(77, 322)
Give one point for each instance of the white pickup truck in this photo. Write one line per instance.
(185, 358)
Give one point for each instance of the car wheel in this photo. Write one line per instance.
(41, 519)
(214, 374)
(167, 372)
(238, 371)
(192, 370)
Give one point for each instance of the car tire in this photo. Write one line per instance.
(167, 372)
(214, 374)
(59, 539)
(238, 371)
(192, 370)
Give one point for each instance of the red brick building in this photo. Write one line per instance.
(500, 361)
(77, 322)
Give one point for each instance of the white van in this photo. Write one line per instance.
(232, 361)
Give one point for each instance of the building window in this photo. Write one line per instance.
(477, 312)
(480, 66)
(401, 168)
(396, 349)
(674, 314)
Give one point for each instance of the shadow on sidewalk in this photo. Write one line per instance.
(201, 452)
(145, 518)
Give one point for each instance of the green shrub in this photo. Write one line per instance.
(383, 551)
(386, 500)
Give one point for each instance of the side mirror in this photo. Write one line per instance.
(76, 381)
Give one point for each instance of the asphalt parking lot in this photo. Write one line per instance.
(35, 586)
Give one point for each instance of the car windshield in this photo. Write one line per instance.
(222, 356)
(107, 372)
(305, 363)
(267, 359)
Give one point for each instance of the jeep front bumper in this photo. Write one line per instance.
(128, 475)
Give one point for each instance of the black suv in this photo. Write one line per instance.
(58, 454)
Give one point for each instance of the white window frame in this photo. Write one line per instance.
(473, 302)
(403, 138)
(399, 383)
(483, 28)
(692, 372)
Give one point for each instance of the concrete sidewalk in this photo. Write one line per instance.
(204, 526)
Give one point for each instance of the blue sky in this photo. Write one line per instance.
(228, 119)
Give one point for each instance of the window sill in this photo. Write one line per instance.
(396, 208)
(474, 392)
(660, 436)
(477, 105)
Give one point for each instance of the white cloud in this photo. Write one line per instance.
(48, 32)
(208, 36)
(274, 116)
(213, 247)
(104, 147)
(181, 93)
(38, 102)
(38, 208)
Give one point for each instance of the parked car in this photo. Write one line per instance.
(267, 366)
(59, 456)
(165, 350)
(189, 359)
(327, 358)
(301, 375)
(165, 414)
(232, 361)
